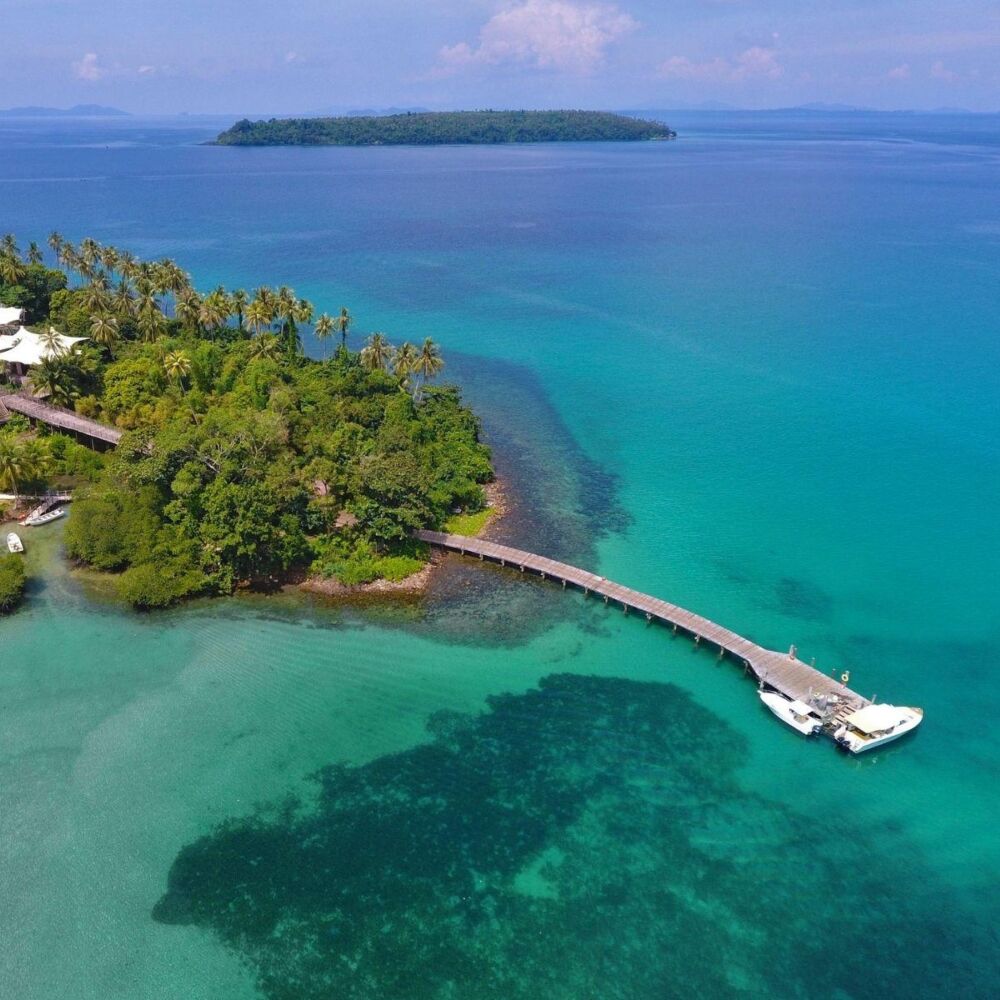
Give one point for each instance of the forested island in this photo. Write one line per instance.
(244, 462)
(434, 128)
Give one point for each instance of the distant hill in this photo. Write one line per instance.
(445, 128)
(77, 111)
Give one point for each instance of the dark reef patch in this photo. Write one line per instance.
(583, 840)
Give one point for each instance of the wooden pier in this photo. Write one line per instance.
(781, 671)
(56, 416)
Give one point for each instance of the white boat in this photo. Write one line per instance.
(797, 714)
(874, 725)
(14, 543)
(52, 515)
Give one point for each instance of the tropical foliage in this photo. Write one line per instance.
(447, 127)
(245, 461)
(12, 581)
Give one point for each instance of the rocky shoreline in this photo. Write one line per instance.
(497, 502)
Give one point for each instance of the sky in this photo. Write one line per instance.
(247, 57)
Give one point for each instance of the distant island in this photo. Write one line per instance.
(435, 128)
(77, 111)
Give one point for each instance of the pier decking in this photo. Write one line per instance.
(56, 416)
(780, 671)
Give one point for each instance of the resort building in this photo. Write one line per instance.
(11, 316)
(24, 348)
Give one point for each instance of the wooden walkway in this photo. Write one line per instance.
(56, 416)
(780, 671)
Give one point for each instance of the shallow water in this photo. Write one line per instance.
(753, 372)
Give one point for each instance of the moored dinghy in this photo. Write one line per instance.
(797, 714)
(14, 543)
(52, 515)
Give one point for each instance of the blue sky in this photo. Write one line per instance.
(251, 57)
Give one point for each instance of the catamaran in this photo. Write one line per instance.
(797, 714)
(874, 725)
(14, 543)
(52, 515)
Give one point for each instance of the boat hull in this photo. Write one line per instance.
(781, 708)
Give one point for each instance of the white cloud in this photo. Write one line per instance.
(545, 34)
(291, 57)
(756, 62)
(88, 68)
(941, 72)
(146, 70)
(901, 72)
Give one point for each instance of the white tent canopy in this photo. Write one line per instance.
(875, 718)
(27, 348)
(9, 315)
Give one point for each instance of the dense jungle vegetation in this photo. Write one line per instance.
(245, 462)
(435, 128)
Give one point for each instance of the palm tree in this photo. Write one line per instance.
(52, 345)
(34, 253)
(54, 377)
(109, 258)
(55, 242)
(11, 269)
(177, 365)
(324, 327)
(429, 361)
(36, 457)
(377, 353)
(258, 315)
(344, 321)
(127, 264)
(404, 362)
(95, 295)
(122, 300)
(267, 345)
(238, 302)
(214, 310)
(13, 465)
(303, 312)
(104, 330)
(9, 245)
(188, 309)
(150, 322)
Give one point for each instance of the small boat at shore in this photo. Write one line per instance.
(874, 725)
(797, 714)
(38, 519)
(14, 543)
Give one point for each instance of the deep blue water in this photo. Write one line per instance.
(753, 371)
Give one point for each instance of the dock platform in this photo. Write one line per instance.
(782, 672)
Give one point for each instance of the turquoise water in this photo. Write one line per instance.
(754, 372)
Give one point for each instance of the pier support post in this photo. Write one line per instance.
(697, 640)
(649, 617)
(605, 598)
(564, 584)
(675, 628)
(624, 608)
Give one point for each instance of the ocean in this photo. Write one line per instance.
(754, 372)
